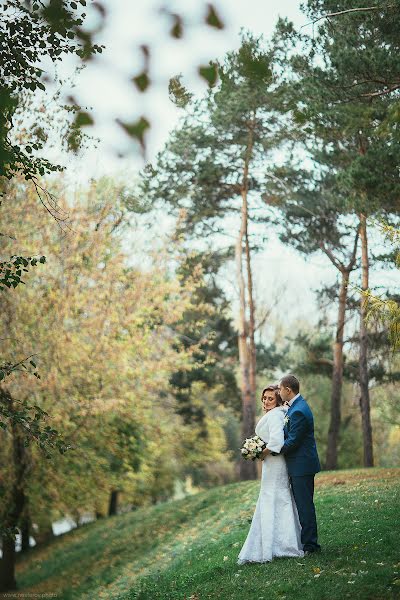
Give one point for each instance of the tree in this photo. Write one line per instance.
(372, 77)
(107, 338)
(357, 135)
(387, 309)
(32, 33)
(101, 329)
(210, 171)
(312, 218)
(208, 325)
(29, 33)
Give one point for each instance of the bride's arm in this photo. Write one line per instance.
(276, 436)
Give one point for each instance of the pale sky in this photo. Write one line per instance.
(105, 87)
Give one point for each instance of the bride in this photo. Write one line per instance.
(275, 528)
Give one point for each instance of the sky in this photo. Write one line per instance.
(105, 87)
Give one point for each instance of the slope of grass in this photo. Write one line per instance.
(187, 549)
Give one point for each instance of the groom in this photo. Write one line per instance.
(302, 460)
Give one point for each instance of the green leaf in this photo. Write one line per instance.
(212, 19)
(177, 27)
(142, 81)
(178, 94)
(210, 73)
(83, 119)
(136, 129)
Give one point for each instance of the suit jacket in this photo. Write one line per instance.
(299, 448)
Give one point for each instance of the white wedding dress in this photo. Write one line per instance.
(275, 529)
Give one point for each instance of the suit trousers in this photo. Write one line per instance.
(303, 492)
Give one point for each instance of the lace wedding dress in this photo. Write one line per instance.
(275, 528)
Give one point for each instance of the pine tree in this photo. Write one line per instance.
(348, 131)
(211, 173)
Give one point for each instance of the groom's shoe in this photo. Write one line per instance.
(313, 551)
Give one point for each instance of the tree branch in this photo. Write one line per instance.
(352, 261)
(349, 10)
(382, 93)
(339, 265)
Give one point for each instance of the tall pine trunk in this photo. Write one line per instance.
(338, 361)
(252, 326)
(337, 378)
(247, 468)
(247, 353)
(363, 365)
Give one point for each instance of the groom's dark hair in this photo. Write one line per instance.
(291, 382)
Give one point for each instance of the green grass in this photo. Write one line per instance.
(187, 549)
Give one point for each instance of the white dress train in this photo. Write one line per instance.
(275, 529)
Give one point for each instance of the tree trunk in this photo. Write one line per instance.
(337, 373)
(363, 365)
(7, 565)
(45, 534)
(248, 468)
(113, 505)
(16, 501)
(251, 333)
(25, 532)
(337, 377)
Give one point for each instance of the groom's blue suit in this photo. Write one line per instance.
(302, 461)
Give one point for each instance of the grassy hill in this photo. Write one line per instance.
(187, 549)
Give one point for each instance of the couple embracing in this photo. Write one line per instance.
(284, 521)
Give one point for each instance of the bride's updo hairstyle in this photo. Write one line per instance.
(273, 388)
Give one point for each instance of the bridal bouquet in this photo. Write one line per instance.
(252, 447)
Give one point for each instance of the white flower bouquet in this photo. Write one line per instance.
(252, 447)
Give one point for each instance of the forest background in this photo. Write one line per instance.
(259, 238)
